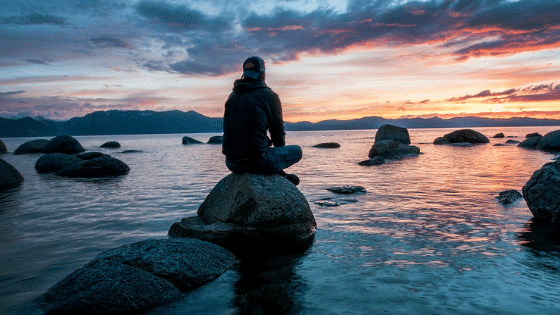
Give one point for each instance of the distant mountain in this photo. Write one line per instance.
(115, 122)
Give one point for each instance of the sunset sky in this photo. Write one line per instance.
(326, 59)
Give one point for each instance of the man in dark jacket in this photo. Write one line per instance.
(251, 110)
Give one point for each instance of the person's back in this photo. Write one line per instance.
(251, 110)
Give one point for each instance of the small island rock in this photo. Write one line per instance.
(189, 140)
(463, 136)
(216, 140)
(134, 278)
(54, 162)
(542, 193)
(63, 144)
(111, 145)
(252, 214)
(9, 175)
(549, 142)
(390, 132)
(3, 148)
(30, 147)
(327, 145)
(98, 167)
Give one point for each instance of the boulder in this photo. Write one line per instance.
(512, 142)
(534, 134)
(111, 145)
(549, 142)
(216, 140)
(134, 278)
(189, 140)
(346, 189)
(98, 167)
(54, 162)
(509, 196)
(391, 149)
(90, 155)
(441, 140)
(33, 146)
(465, 136)
(252, 214)
(542, 193)
(390, 132)
(63, 144)
(530, 143)
(327, 145)
(375, 161)
(499, 135)
(3, 148)
(9, 175)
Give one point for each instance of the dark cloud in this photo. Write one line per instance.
(538, 93)
(109, 42)
(483, 94)
(37, 62)
(33, 19)
(7, 94)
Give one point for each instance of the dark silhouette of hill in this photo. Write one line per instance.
(115, 122)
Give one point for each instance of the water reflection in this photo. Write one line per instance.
(541, 236)
(9, 198)
(269, 286)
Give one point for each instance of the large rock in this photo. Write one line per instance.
(54, 162)
(252, 214)
(391, 149)
(9, 175)
(390, 132)
(3, 148)
(463, 136)
(98, 167)
(33, 146)
(63, 144)
(550, 142)
(530, 143)
(189, 140)
(134, 278)
(542, 193)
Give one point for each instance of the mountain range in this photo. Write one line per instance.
(116, 122)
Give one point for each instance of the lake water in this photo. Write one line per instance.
(428, 237)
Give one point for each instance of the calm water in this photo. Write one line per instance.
(429, 237)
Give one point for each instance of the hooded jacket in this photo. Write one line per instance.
(251, 110)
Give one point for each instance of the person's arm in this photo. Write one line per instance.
(276, 122)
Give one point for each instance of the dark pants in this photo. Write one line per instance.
(273, 161)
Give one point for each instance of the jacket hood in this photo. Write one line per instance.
(243, 86)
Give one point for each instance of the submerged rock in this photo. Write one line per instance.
(346, 189)
(509, 196)
(530, 143)
(54, 162)
(189, 140)
(216, 140)
(111, 145)
(252, 214)
(98, 167)
(463, 136)
(30, 147)
(390, 132)
(512, 142)
(375, 161)
(550, 142)
(542, 193)
(63, 144)
(9, 175)
(3, 148)
(134, 278)
(327, 145)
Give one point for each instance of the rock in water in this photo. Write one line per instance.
(9, 175)
(464, 136)
(189, 140)
(98, 167)
(33, 146)
(216, 140)
(391, 149)
(134, 278)
(390, 132)
(499, 135)
(346, 189)
(327, 145)
(542, 193)
(252, 214)
(550, 142)
(111, 145)
(530, 143)
(3, 148)
(509, 196)
(63, 144)
(54, 162)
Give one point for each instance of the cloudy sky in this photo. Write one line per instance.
(327, 59)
